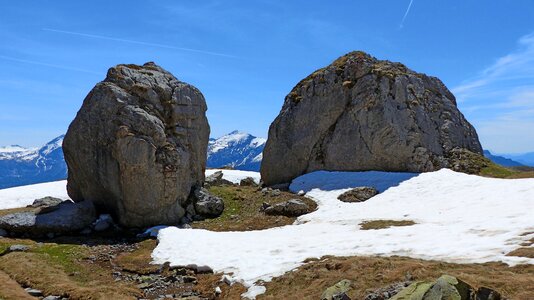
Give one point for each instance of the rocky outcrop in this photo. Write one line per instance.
(360, 113)
(137, 147)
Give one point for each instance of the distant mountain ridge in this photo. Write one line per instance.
(238, 150)
(22, 166)
(503, 161)
(526, 159)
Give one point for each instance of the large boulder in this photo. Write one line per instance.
(137, 147)
(65, 217)
(360, 113)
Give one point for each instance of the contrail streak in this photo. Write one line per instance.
(101, 37)
(46, 64)
(406, 14)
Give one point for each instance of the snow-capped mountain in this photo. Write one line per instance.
(239, 150)
(22, 166)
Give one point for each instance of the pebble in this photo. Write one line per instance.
(52, 298)
(34, 292)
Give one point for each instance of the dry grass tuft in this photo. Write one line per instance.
(370, 273)
(382, 224)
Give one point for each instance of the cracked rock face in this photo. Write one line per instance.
(360, 113)
(137, 147)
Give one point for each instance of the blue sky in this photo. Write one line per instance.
(245, 56)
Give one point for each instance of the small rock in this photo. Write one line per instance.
(249, 181)
(216, 179)
(34, 292)
(275, 193)
(3, 232)
(337, 290)
(301, 193)
(206, 204)
(50, 235)
(52, 298)
(218, 291)
(18, 248)
(290, 208)
(358, 194)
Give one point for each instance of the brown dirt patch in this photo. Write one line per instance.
(242, 209)
(61, 270)
(383, 224)
(370, 273)
(11, 290)
(139, 260)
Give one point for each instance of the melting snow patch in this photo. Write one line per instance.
(22, 196)
(460, 218)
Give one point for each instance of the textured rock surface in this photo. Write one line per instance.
(360, 113)
(358, 194)
(289, 208)
(207, 205)
(137, 147)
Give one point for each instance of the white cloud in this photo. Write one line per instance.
(500, 100)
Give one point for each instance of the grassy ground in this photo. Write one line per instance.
(242, 209)
(370, 273)
(498, 171)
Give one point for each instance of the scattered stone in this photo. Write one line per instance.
(290, 208)
(67, 218)
(137, 147)
(276, 193)
(359, 194)
(216, 179)
(103, 223)
(18, 248)
(206, 204)
(50, 235)
(249, 181)
(394, 119)
(34, 292)
(52, 298)
(301, 193)
(3, 233)
(218, 291)
(338, 290)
